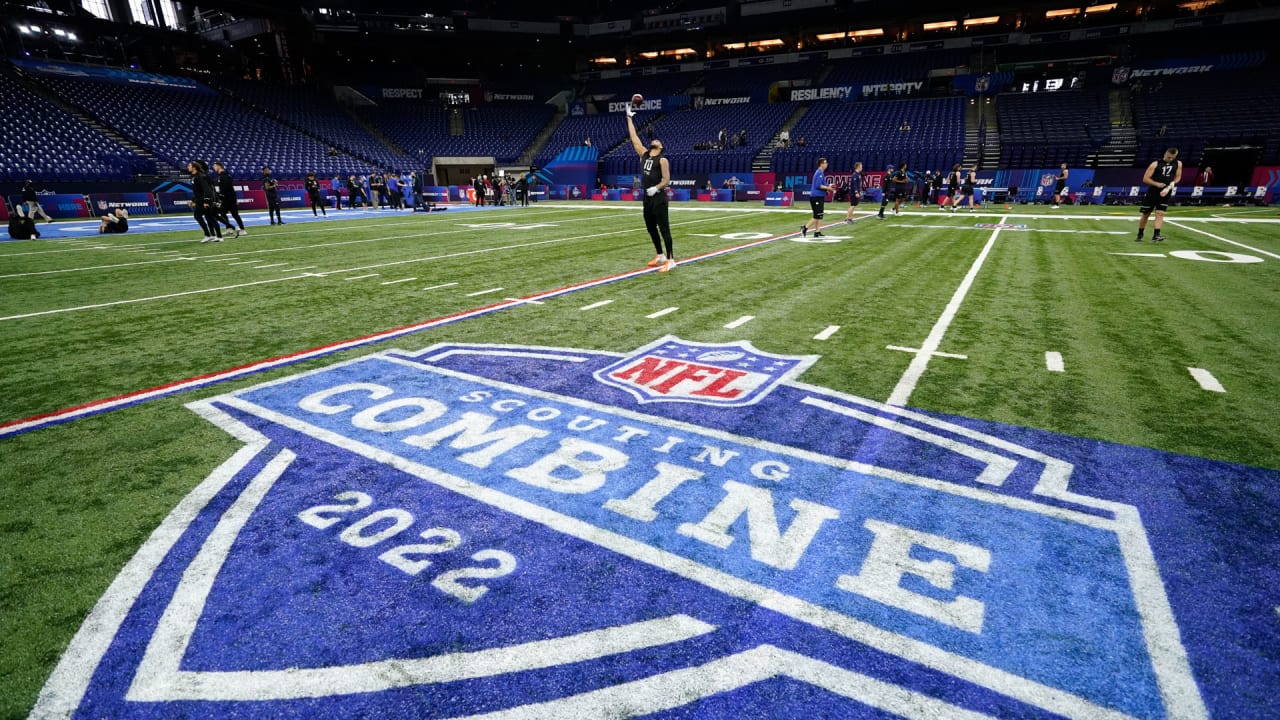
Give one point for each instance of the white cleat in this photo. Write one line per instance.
(656, 261)
(241, 233)
(206, 239)
(215, 239)
(668, 267)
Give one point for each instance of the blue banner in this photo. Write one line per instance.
(134, 203)
(58, 206)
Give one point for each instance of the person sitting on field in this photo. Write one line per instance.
(115, 222)
(21, 226)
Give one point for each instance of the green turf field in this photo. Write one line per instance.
(994, 310)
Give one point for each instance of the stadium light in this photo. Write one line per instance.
(832, 36)
(1197, 5)
(1099, 8)
(649, 55)
(605, 61)
(34, 28)
(943, 25)
(870, 32)
(774, 42)
(1064, 12)
(59, 32)
(975, 22)
(733, 46)
(72, 37)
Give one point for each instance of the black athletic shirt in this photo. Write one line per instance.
(120, 225)
(270, 186)
(1164, 173)
(226, 187)
(855, 182)
(651, 173)
(900, 181)
(954, 178)
(313, 186)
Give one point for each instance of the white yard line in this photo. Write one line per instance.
(907, 385)
(146, 299)
(361, 277)
(244, 253)
(827, 333)
(636, 230)
(437, 287)
(484, 292)
(264, 267)
(297, 269)
(630, 230)
(1222, 239)
(1053, 361)
(595, 305)
(1207, 380)
(739, 322)
(393, 282)
(660, 313)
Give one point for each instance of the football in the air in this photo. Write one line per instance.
(637, 100)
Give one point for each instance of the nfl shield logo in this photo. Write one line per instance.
(1120, 75)
(982, 83)
(724, 374)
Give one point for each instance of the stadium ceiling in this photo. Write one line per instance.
(604, 10)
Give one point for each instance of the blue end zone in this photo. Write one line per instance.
(474, 529)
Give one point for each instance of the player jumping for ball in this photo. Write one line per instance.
(1161, 177)
(655, 174)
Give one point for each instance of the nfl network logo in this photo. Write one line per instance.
(675, 370)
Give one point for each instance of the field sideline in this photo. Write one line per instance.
(1045, 319)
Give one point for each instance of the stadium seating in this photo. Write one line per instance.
(680, 131)
(1048, 128)
(1198, 111)
(318, 115)
(41, 141)
(179, 124)
(502, 129)
(870, 132)
(606, 130)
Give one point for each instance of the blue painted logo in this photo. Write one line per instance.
(676, 370)
(509, 531)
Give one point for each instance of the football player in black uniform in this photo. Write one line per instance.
(227, 197)
(966, 187)
(953, 188)
(1161, 179)
(312, 186)
(271, 187)
(1060, 187)
(898, 181)
(204, 201)
(855, 191)
(655, 174)
(115, 222)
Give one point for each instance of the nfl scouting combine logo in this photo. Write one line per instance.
(686, 530)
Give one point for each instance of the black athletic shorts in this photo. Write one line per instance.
(1154, 201)
(967, 190)
(1057, 189)
(855, 198)
(817, 203)
(898, 193)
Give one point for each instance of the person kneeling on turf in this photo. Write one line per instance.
(115, 222)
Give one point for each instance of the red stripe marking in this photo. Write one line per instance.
(319, 349)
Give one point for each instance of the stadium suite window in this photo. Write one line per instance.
(97, 8)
